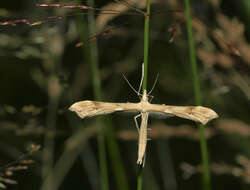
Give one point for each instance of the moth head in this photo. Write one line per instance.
(144, 96)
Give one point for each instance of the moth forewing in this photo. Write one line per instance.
(196, 113)
(93, 108)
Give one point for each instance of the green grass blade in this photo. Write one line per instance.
(196, 84)
(146, 45)
(116, 161)
(115, 156)
(139, 177)
(96, 83)
(146, 50)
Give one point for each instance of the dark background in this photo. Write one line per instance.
(40, 66)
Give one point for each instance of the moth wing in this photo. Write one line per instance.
(196, 113)
(160, 115)
(92, 108)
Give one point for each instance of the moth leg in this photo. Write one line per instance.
(150, 97)
(136, 123)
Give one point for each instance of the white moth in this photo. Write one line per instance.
(92, 108)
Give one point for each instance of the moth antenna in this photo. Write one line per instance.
(138, 93)
(142, 77)
(154, 84)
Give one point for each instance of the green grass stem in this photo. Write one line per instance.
(146, 50)
(116, 161)
(196, 84)
(115, 157)
(139, 177)
(146, 45)
(96, 83)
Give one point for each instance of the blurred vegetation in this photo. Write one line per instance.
(42, 73)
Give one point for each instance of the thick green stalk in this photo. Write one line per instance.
(205, 159)
(192, 55)
(115, 156)
(139, 177)
(96, 82)
(146, 50)
(146, 44)
(196, 84)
